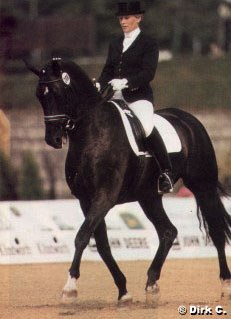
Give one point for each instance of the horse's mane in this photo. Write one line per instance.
(82, 82)
(76, 71)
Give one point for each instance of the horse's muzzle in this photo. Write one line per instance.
(54, 136)
(56, 143)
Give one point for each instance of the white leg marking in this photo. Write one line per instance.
(69, 293)
(152, 295)
(125, 300)
(226, 290)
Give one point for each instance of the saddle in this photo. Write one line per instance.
(136, 126)
(136, 135)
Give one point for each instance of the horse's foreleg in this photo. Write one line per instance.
(167, 232)
(93, 217)
(104, 250)
(69, 293)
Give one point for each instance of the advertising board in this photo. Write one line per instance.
(44, 231)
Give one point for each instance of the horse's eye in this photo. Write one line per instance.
(46, 91)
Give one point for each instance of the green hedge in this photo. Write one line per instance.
(189, 83)
(8, 178)
(24, 183)
(30, 186)
(194, 83)
(185, 82)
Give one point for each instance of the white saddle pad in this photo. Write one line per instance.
(165, 128)
(168, 134)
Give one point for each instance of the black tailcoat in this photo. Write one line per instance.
(137, 64)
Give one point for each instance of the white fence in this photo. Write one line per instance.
(44, 231)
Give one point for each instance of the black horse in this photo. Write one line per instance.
(101, 171)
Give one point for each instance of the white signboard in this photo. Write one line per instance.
(44, 231)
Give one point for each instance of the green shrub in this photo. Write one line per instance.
(193, 83)
(31, 186)
(8, 179)
(185, 81)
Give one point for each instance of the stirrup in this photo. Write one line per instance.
(165, 179)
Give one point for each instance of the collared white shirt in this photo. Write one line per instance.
(129, 38)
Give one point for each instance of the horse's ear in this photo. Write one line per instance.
(31, 68)
(56, 66)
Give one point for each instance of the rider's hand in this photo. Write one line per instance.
(96, 84)
(119, 84)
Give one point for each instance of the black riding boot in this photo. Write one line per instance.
(157, 149)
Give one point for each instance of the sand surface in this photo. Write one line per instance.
(33, 291)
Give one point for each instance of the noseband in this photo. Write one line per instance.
(66, 121)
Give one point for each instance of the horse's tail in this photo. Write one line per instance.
(222, 191)
(212, 213)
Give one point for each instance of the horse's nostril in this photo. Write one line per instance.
(58, 140)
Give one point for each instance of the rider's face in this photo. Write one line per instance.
(129, 23)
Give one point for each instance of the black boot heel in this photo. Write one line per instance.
(165, 183)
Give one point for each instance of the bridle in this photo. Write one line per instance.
(68, 123)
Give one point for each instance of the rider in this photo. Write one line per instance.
(130, 67)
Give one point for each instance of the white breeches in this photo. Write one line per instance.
(143, 109)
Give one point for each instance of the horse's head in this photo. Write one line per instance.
(63, 91)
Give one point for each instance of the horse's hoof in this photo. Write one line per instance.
(125, 300)
(152, 295)
(226, 290)
(69, 297)
(69, 293)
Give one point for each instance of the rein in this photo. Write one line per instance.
(50, 81)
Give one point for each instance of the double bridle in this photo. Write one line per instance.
(67, 121)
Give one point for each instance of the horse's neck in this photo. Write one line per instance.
(87, 101)
(94, 119)
(85, 92)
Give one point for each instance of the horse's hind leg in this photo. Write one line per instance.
(218, 224)
(104, 250)
(167, 232)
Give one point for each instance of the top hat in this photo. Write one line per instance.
(129, 8)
